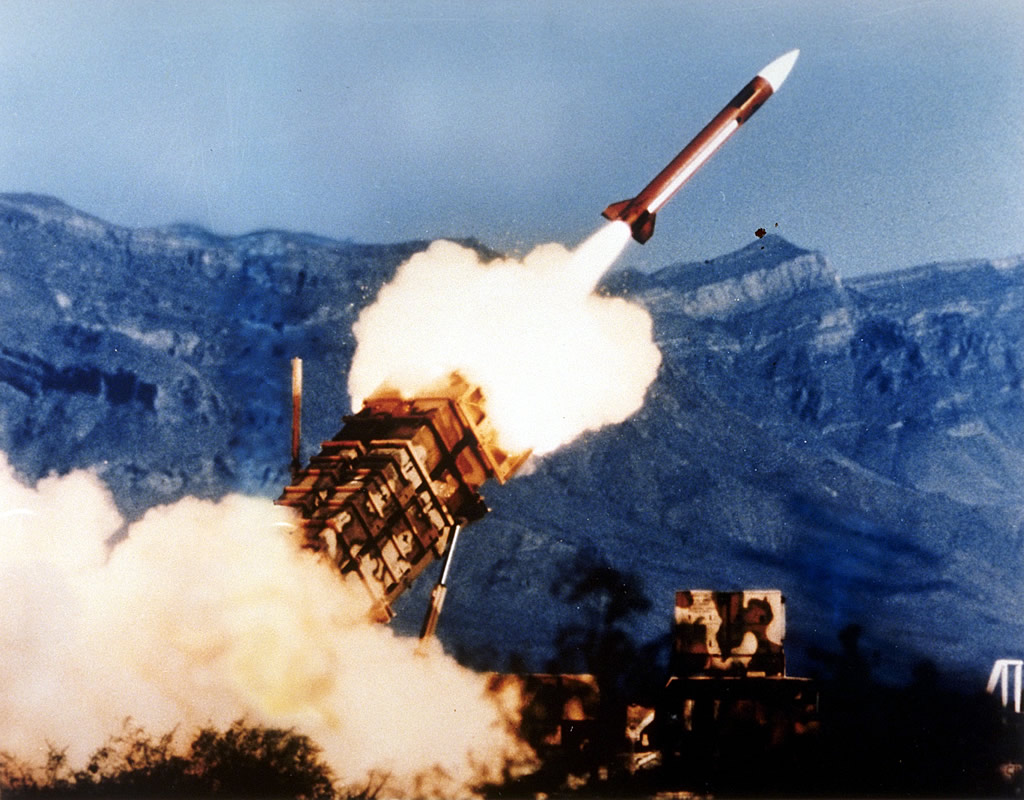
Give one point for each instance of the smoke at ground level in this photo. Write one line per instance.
(207, 612)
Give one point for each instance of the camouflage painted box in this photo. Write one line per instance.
(734, 633)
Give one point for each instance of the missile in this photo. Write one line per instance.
(639, 211)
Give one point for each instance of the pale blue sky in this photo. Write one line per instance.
(897, 140)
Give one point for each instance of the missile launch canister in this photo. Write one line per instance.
(639, 211)
(385, 496)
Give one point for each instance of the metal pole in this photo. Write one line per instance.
(296, 463)
(440, 590)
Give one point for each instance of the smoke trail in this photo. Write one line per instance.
(554, 358)
(208, 612)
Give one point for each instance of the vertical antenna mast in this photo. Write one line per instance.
(296, 464)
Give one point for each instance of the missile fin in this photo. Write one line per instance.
(643, 228)
(616, 210)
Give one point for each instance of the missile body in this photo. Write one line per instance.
(639, 212)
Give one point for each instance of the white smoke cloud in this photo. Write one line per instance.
(207, 612)
(554, 359)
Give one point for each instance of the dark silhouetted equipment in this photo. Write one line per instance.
(728, 692)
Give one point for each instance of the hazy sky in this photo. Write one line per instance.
(897, 140)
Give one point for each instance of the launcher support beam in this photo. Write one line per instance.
(440, 590)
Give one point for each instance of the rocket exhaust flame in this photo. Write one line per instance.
(553, 358)
(209, 612)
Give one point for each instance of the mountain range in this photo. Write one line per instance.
(857, 443)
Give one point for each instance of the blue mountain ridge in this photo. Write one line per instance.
(854, 443)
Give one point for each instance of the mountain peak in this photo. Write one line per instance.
(30, 200)
(772, 244)
(763, 254)
(24, 209)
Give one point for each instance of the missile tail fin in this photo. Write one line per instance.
(643, 228)
(616, 210)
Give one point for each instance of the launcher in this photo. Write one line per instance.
(382, 499)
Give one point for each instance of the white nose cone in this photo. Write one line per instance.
(776, 72)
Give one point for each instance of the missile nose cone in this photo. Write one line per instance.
(776, 72)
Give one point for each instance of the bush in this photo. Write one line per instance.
(242, 761)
